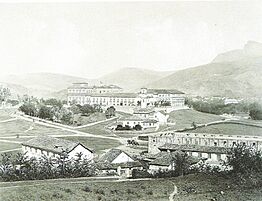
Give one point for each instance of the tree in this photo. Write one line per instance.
(165, 103)
(255, 111)
(67, 118)
(75, 109)
(53, 102)
(246, 164)
(13, 102)
(28, 109)
(110, 112)
(138, 127)
(86, 109)
(181, 163)
(45, 112)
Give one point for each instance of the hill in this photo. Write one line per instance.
(133, 78)
(42, 84)
(232, 74)
(15, 89)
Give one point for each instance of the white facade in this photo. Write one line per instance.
(144, 123)
(122, 158)
(150, 97)
(38, 153)
(104, 100)
(162, 118)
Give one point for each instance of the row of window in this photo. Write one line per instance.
(38, 151)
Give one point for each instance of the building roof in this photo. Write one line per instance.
(55, 145)
(166, 158)
(80, 83)
(150, 121)
(163, 112)
(164, 91)
(115, 95)
(194, 148)
(111, 155)
(163, 159)
(78, 86)
(107, 87)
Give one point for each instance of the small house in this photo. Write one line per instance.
(118, 162)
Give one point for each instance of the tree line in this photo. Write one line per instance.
(17, 167)
(218, 107)
(52, 109)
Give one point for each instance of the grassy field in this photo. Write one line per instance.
(190, 188)
(5, 114)
(96, 144)
(184, 118)
(99, 129)
(8, 146)
(97, 116)
(230, 129)
(20, 127)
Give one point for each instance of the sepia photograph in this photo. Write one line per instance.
(130, 100)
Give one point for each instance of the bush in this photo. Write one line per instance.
(255, 112)
(87, 189)
(129, 191)
(138, 127)
(121, 128)
(150, 192)
(17, 167)
(246, 163)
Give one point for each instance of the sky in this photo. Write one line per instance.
(90, 39)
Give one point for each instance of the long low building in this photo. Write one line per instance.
(54, 147)
(207, 152)
(210, 146)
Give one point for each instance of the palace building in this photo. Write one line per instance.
(112, 95)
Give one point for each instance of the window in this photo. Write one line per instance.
(215, 144)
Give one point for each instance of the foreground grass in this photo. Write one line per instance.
(191, 187)
(96, 144)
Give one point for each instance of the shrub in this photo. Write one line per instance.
(87, 189)
(68, 190)
(246, 163)
(100, 191)
(129, 191)
(149, 192)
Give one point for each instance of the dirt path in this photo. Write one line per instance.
(80, 133)
(8, 120)
(171, 196)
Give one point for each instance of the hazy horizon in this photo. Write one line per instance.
(90, 39)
